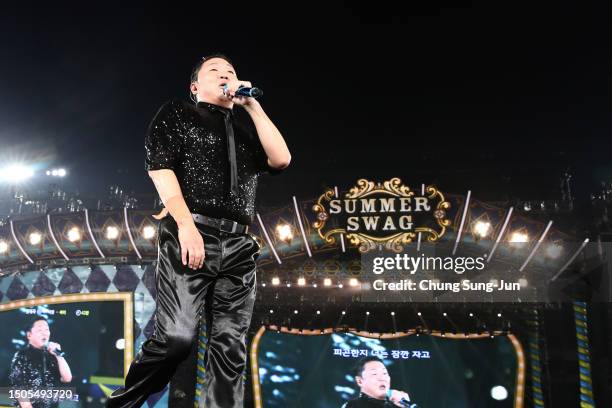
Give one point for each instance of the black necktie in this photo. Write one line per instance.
(231, 151)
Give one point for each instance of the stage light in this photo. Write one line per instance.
(295, 312)
(16, 173)
(353, 282)
(4, 247)
(74, 234)
(327, 282)
(499, 393)
(54, 173)
(148, 232)
(554, 250)
(519, 237)
(112, 232)
(482, 228)
(120, 344)
(271, 311)
(275, 281)
(418, 313)
(35, 238)
(263, 284)
(48, 172)
(288, 285)
(301, 281)
(444, 314)
(392, 313)
(471, 314)
(367, 313)
(318, 312)
(284, 232)
(499, 315)
(61, 172)
(343, 313)
(314, 285)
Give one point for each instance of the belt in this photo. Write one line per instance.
(221, 224)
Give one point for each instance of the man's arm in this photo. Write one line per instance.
(64, 369)
(270, 137)
(62, 364)
(191, 242)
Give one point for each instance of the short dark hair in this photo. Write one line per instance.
(362, 362)
(33, 321)
(196, 69)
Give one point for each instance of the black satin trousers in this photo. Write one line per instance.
(223, 291)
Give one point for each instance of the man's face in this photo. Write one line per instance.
(374, 380)
(39, 334)
(213, 75)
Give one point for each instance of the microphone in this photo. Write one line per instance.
(245, 91)
(404, 402)
(408, 404)
(58, 352)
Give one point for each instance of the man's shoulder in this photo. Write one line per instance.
(350, 404)
(172, 112)
(176, 105)
(20, 353)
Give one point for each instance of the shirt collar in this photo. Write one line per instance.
(214, 108)
(372, 400)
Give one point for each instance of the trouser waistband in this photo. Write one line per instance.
(222, 224)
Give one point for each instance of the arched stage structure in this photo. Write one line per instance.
(308, 286)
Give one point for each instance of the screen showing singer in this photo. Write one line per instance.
(374, 384)
(39, 365)
(66, 351)
(328, 370)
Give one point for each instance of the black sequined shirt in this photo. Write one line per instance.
(32, 369)
(191, 141)
(365, 401)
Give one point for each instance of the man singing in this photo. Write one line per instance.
(374, 383)
(38, 366)
(205, 167)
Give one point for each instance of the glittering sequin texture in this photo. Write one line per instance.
(192, 141)
(32, 369)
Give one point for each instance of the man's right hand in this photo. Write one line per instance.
(192, 245)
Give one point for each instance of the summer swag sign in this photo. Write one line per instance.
(376, 215)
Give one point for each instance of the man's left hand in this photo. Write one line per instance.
(396, 397)
(230, 93)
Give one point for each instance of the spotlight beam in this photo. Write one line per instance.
(501, 233)
(55, 240)
(536, 246)
(93, 239)
(569, 261)
(267, 237)
(299, 218)
(465, 210)
(19, 245)
(127, 227)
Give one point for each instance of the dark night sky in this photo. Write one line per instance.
(493, 98)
